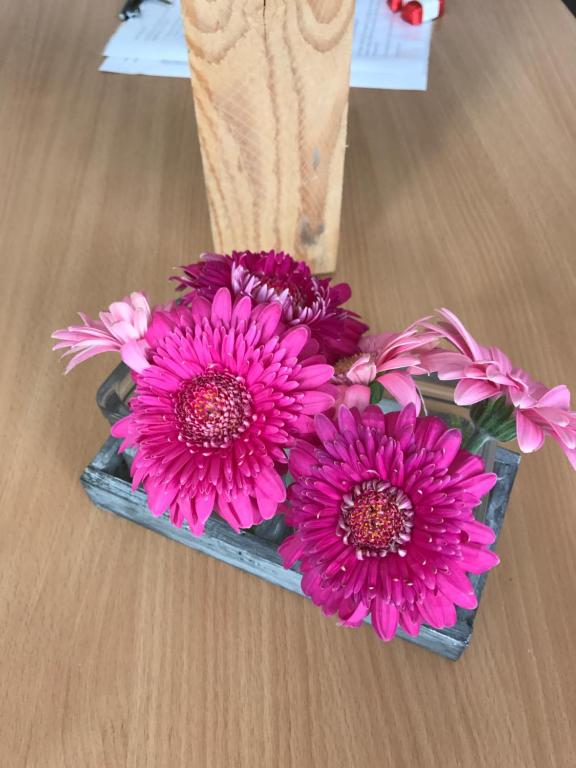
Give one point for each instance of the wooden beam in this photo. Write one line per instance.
(270, 81)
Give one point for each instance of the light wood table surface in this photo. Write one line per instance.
(120, 648)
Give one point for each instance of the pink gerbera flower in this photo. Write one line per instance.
(383, 517)
(227, 391)
(485, 373)
(121, 329)
(391, 359)
(305, 299)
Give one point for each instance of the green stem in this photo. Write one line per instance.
(476, 441)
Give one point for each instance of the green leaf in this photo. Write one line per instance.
(376, 392)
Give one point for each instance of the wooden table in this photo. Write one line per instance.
(120, 648)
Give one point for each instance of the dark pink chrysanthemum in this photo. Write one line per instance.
(382, 511)
(305, 299)
(228, 389)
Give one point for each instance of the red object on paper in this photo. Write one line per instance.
(419, 11)
(395, 5)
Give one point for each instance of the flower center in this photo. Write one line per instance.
(212, 409)
(343, 365)
(376, 519)
(299, 295)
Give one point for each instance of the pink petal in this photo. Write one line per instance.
(478, 532)
(245, 512)
(315, 401)
(268, 319)
(481, 484)
(467, 464)
(449, 444)
(448, 365)
(242, 310)
(159, 498)
(312, 586)
(557, 397)
(291, 550)
(226, 512)
(554, 416)
(432, 610)
(402, 388)
(222, 306)
(499, 358)
(362, 371)
(141, 319)
(457, 588)
(403, 360)
(428, 429)
(203, 506)
(124, 331)
(199, 308)
(476, 560)
(410, 625)
(341, 292)
(140, 302)
(303, 425)
(530, 435)
(162, 379)
(438, 611)
(123, 427)
(79, 333)
(312, 376)
(270, 484)
(295, 340)
(84, 355)
(267, 508)
(384, 618)
(325, 428)
(134, 357)
(469, 345)
(373, 343)
(118, 310)
(357, 396)
(470, 391)
(301, 459)
(353, 615)
(347, 422)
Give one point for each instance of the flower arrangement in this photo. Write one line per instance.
(258, 394)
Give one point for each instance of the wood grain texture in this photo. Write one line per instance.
(270, 81)
(118, 648)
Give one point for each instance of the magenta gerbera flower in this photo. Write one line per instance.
(383, 515)
(228, 389)
(305, 299)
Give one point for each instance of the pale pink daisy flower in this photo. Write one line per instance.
(485, 373)
(121, 329)
(382, 511)
(229, 388)
(391, 359)
(271, 276)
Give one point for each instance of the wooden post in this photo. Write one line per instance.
(270, 81)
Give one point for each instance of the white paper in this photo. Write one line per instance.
(387, 52)
(146, 67)
(156, 33)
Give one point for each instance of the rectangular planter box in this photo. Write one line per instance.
(107, 482)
